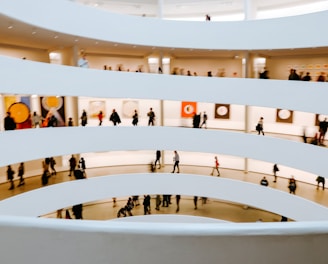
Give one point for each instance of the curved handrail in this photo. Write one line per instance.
(64, 141)
(97, 242)
(93, 24)
(60, 195)
(28, 77)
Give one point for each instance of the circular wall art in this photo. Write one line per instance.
(284, 116)
(188, 109)
(222, 111)
(20, 112)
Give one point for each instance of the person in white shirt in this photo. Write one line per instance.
(176, 160)
(83, 62)
(36, 120)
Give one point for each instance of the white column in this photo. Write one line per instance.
(250, 9)
(160, 9)
(35, 104)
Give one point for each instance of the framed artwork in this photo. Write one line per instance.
(95, 107)
(284, 116)
(319, 118)
(53, 105)
(222, 111)
(19, 108)
(188, 109)
(128, 107)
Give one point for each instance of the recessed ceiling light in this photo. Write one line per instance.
(33, 32)
(56, 36)
(115, 44)
(96, 42)
(76, 40)
(10, 26)
(134, 47)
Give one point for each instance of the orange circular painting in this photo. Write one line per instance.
(20, 112)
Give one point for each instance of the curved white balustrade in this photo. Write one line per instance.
(35, 240)
(28, 77)
(83, 21)
(165, 218)
(47, 199)
(102, 139)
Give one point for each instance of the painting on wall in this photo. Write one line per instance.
(188, 109)
(319, 118)
(222, 111)
(284, 116)
(53, 106)
(128, 107)
(19, 108)
(95, 107)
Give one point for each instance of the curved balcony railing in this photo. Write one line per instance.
(280, 33)
(28, 77)
(64, 141)
(99, 188)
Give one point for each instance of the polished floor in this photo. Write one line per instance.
(104, 210)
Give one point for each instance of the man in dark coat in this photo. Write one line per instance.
(9, 122)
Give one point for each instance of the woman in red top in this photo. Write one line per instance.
(100, 117)
(216, 166)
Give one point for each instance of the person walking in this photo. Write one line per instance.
(146, 204)
(129, 206)
(100, 117)
(151, 116)
(83, 166)
(158, 202)
(176, 160)
(158, 158)
(135, 118)
(216, 166)
(21, 171)
(196, 120)
(323, 125)
(177, 198)
(115, 118)
(84, 118)
(10, 177)
(259, 126)
(195, 202)
(72, 165)
(52, 166)
(275, 170)
(204, 120)
(292, 185)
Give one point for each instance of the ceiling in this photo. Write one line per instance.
(16, 33)
(190, 8)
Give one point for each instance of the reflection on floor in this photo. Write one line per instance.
(103, 210)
